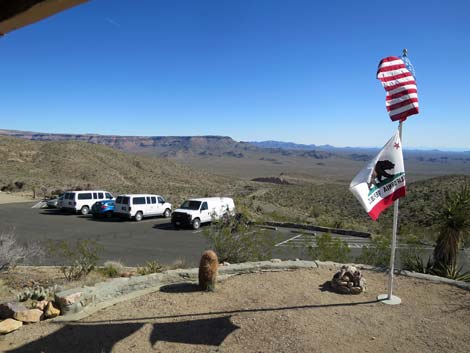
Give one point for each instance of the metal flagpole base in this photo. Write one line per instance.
(394, 300)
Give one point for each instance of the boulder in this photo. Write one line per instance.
(31, 315)
(41, 305)
(9, 325)
(7, 310)
(68, 299)
(51, 311)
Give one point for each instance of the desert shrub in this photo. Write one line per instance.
(413, 259)
(377, 253)
(234, 239)
(149, 267)
(12, 253)
(16, 186)
(82, 257)
(451, 271)
(453, 218)
(36, 293)
(178, 263)
(111, 269)
(329, 249)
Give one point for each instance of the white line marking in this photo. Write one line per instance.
(285, 241)
(197, 231)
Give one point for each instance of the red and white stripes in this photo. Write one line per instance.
(402, 94)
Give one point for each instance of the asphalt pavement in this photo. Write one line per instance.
(153, 239)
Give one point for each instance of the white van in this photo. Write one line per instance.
(81, 201)
(138, 206)
(194, 212)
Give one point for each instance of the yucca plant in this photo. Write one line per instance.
(451, 271)
(454, 220)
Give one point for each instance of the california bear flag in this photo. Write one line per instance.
(383, 180)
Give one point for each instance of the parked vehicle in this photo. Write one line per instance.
(138, 206)
(103, 209)
(54, 203)
(194, 212)
(81, 201)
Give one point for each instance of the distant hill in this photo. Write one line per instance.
(70, 164)
(225, 156)
(175, 147)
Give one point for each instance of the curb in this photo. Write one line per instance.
(353, 233)
(78, 303)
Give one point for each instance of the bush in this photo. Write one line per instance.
(329, 249)
(111, 269)
(235, 240)
(149, 267)
(82, 257)
(376, 254)
(12, 253)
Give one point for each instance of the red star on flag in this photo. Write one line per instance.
(396, 145)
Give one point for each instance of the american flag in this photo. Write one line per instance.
(399, 83)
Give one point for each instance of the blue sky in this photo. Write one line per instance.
(301, 71)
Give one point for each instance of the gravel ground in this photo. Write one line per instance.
(287, 311)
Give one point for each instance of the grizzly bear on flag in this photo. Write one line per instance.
(380, 172)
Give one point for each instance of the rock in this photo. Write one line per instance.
(7, 310)
(31, 315)
(41, 305)
(69, 299)
(51, 311)
(348, 281)
(9, 325)
(126, 274)
(276, 260)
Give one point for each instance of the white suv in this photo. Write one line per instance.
(81, 201)
(138, 206)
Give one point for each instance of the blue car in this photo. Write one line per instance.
(103, 208)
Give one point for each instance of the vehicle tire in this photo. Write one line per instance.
(167, 213)
(109, 214)
(85, 210)
(196, 223)
(138, 216)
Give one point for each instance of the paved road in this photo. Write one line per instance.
(134, 243)
(297, 243)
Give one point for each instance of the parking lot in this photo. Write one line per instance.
(134, 243)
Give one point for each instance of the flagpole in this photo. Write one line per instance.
(389, 298)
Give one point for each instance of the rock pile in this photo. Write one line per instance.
(348, 280)
(14, 315)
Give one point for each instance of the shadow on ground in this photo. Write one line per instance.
(180, 288)
(56, 212)
(166, 226)
(102, 338)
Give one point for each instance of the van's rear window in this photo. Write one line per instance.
(138, 201)
(85, 196)
(123, 200)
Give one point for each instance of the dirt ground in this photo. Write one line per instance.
(16, 197)
(289, 311)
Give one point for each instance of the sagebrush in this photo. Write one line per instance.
(13, 253)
